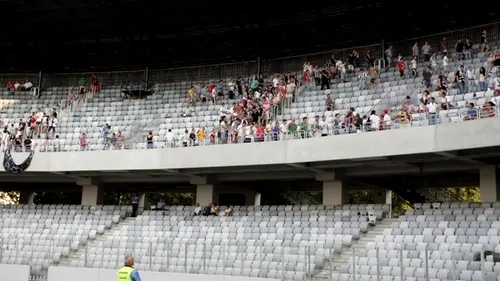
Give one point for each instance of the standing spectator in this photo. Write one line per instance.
(459, 47)
(415, 50)
(149, 140)
(388, 57)
(484, 42)
(471, 79)
(135, 205)
(82, 84)
(401, 68)
(96, 87)
(414, 67)
(468, 49)
(426, 51)
(362, 79)
(83, 142)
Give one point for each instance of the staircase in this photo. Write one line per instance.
(341, 259)
(113, 231)
(67, 111)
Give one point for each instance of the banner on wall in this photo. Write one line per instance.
(11, 167)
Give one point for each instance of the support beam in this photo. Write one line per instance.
(488, 184)
(26, 197)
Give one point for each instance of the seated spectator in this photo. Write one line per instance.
(207, 210)
(213, 210)
(120, 139)
(197, 210)
(27, 85)
(329, 103)
(160, 205)
(10, 87)
(471, 112)
(445, 101)
(228, 212)
(488, 110)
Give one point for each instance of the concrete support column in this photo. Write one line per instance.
(142, 199)
(384, 196)
(207, 190)
(26, 197)
(92, 194)
(488, 184)
(257, 199)
(334, 192)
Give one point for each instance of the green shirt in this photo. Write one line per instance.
(303, 126)
(292, 128)
(255, 84)
(82, 82)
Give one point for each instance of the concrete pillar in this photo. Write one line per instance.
(26, 197)
(142, 199)
(92, 194)
(488, 184)
(257, 199)
(334, 192)
(207, 190)
(384, 196)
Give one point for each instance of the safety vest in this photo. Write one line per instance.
(124, 273)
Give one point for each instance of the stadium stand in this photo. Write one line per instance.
(166, 112)
(452, 235)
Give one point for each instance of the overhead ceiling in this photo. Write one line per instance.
(82, 34)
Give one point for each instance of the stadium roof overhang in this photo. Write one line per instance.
(57, 34)
(442, 164)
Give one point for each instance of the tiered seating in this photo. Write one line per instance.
(44, 234)
(454, 235)
(256, 241)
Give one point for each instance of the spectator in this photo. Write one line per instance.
(228, 212)
(483, 83)
(468, 49)
(135, 204)
(213, 210)
(56, 145)
(415, 50)
(445, 101)
(401, 68)
(197, 210)
(471, 112)
(433, 65)
(460, 80)
(426, 51)
(112, 141)
(10, 87)
(414, 67)
(149, 140)
(460, 47)
(373, 77)
(160, 205)
(96, 87)
(120, 139)
(207, 210)
(471, 79)
(484, 42)
(201, 134)
(27, 145)
(445, 63)
(329, 103)
(362, 77)
(404, 117)
(83, 142)
(431, 108)
(170, 138)
(374, 121)
(82, 84)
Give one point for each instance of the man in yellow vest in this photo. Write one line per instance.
(128, 273)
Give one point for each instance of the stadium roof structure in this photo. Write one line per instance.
(81, 34)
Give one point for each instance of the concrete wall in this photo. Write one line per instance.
(59, 273)
(10, 272)
(446, 137)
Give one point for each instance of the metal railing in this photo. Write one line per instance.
(106, 79)
(215, 138)
(309, 259)
(404, 47)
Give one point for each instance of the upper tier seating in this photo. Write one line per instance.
(453, 234)
(165, 109)
(256, 241)
(42, 235)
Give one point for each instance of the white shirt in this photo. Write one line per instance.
(470, 75)
(375, 120)
(496, 83)
(231, 86)
(222, 111)
(324, 127)
(414, 64)
(275, 82)
(53, 122)
(432, 107)
(28, 85)
(387, 120)
(433, 61)
(444, 100)
(445, 61)
(169, 136)
(495, 100)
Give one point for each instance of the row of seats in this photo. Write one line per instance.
(448, 237)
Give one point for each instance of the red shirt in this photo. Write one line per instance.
(83, 141)
(10, 85)
(401, 65)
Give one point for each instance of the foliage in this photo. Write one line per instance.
(46, 197)
(9, 197)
